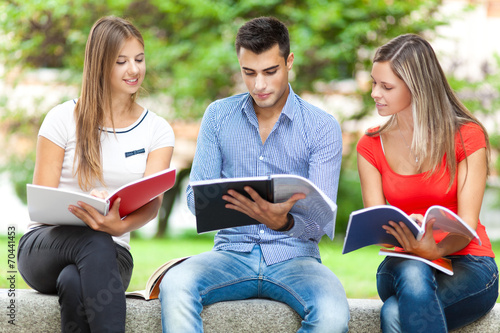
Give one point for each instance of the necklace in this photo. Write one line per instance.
(407, 146)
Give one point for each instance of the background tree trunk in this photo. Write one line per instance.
(168, 202)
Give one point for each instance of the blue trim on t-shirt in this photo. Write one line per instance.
(147, 111)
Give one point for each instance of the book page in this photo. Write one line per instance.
(287, 185)
(317, 206)
(152, 290)
(49, 205)
(448, 221)
(442, 264)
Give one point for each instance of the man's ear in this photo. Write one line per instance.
(289, 61)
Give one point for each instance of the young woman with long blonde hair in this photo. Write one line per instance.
(431, 151)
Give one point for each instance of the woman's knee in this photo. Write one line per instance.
(411, 276)
(389, 315)
(68, 283)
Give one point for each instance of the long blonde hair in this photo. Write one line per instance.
(104, 43)
(437, 112)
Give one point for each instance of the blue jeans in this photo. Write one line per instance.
(417, 298)
(303, 283)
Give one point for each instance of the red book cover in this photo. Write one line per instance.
(49, 205)
(137, 194)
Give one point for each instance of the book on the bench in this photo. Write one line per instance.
(152, 289)
(49, 205)
(211, 213)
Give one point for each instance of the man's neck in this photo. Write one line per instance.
(271, 112)
(267, 118)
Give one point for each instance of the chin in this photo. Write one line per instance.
(265, 104)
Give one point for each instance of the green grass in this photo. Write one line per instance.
(356, 270)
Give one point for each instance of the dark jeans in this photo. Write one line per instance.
(88, 271)
(417, 298)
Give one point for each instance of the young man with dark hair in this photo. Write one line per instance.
(269, 130)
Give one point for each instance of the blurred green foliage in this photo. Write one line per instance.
(191, 58)
(20, 164)
(190, 43)
(482, 96)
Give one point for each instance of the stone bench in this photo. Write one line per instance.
(35, 312)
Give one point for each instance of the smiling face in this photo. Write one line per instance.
(390, 93)
(266, 77)
(129, 70)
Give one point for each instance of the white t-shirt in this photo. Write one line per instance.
(124, 152)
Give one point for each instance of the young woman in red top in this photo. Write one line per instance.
(431, 151)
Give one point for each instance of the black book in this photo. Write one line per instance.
(211, 213)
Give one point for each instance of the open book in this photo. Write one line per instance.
(49, 205)
(365, 226)
(152, 289)
(442, 264)
(211, 213)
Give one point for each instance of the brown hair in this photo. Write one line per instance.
(261, 34)
(105, 41)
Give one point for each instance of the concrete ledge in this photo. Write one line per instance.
(35, 312)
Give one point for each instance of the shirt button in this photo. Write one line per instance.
(262, 231)
(261, 158)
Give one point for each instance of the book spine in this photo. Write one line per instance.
(106, 210)
(270, 189)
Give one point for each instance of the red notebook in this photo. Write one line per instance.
(49, 205)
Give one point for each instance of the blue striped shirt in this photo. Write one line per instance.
(305, 141)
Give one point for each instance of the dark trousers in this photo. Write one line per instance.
(88, 271)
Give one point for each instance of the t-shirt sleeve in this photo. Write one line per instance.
(57, 123)
(473, 139)
(366, 148)
(163, 134)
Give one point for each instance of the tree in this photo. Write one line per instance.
(190, 44)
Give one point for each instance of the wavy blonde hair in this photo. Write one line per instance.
(104, 43)
(437, 112)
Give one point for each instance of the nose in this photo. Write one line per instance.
(375, 92)
(133, 68)
(260, 82)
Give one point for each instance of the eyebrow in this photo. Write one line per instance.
(264, 70)
(384, 82)
(124, 56)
